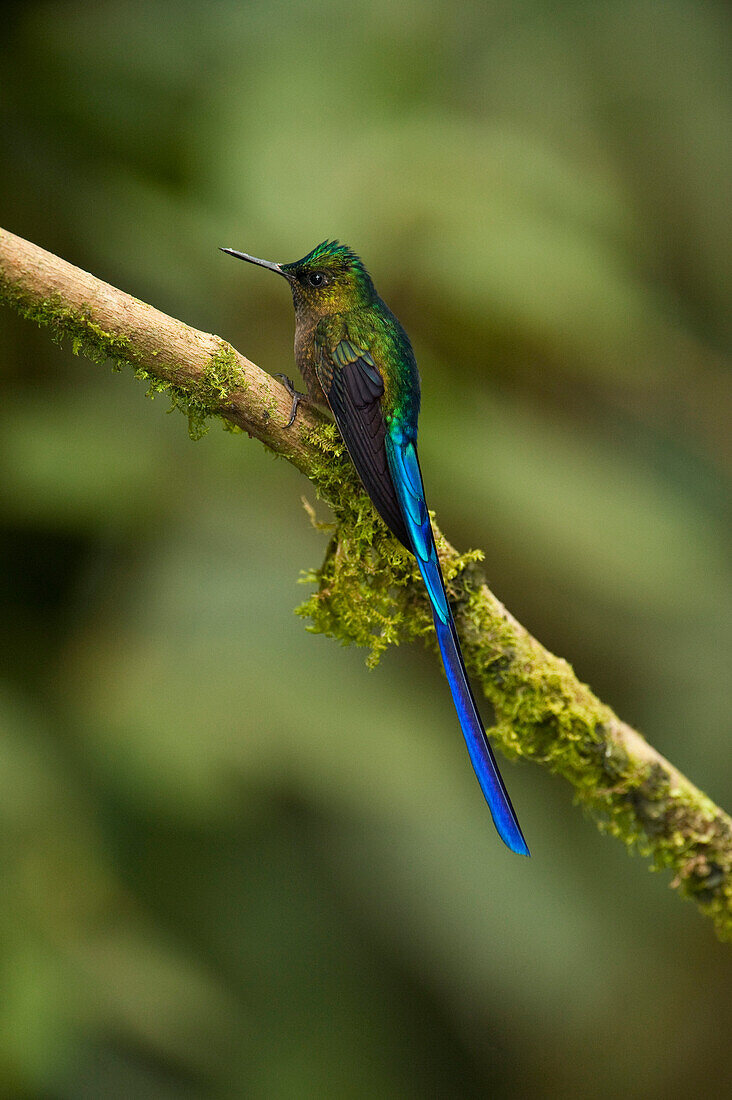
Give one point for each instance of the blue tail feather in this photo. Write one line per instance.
(404, 466)
(481, 754)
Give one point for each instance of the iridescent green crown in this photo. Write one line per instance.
(328, 254)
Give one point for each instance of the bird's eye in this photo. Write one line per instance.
(317, 278)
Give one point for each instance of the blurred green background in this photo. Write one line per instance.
(233, 861)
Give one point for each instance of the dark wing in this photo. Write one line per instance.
(354, 387)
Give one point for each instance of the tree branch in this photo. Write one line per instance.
(369, 591)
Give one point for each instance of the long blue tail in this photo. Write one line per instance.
(481, 754)
(404, 468)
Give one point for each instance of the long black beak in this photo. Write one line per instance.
(254, 260)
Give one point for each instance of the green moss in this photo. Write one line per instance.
(198, 401)
(369, 591)
(78, 325)
(331, 471)
(204, 393)
(223, 375)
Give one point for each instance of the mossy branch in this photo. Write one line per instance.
(368, 590)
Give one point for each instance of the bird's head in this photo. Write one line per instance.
(330, 279)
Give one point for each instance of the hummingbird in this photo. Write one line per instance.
(357, 361)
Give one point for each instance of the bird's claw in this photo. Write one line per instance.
(296, 396)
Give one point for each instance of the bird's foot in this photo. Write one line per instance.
(296, 396)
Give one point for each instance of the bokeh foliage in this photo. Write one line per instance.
(235, 862)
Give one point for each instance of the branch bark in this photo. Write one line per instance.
(369, 591)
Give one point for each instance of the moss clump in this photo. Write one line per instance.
(369, 591)
(331, 470)
(223, 375)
